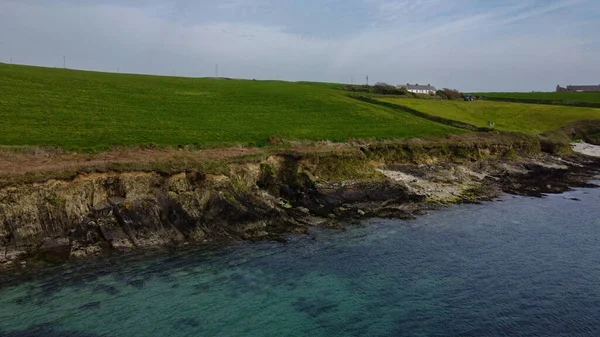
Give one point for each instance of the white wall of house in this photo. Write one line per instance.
(419, 91)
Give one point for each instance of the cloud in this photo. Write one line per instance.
(509, 45)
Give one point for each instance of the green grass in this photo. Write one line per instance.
(530, 118)
(586, 97)
(92, 110)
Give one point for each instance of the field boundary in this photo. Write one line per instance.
(437, 119)
(542, 101)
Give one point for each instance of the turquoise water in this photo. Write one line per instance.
(516, 267)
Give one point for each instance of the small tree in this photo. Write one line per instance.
(356, 88)
(452, 94)
(441, 94)
(387, 89)
(402, 91)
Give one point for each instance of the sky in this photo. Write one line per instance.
(470, 45)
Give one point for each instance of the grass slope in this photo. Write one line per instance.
(92, 110)
(530, 118)
(585, 97)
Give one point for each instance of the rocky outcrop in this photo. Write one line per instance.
(96, 212)
(259, 200)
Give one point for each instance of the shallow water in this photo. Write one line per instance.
(520, 266)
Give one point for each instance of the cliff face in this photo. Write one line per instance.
(120, 211)
(261, 199)
(99, 211)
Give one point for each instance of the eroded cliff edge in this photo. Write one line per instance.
(265, 197)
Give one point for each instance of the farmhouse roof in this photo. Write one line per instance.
(409, 86)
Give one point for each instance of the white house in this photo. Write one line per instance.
(419, 89)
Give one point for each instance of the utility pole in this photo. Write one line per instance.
(367, 80)
(352, 80)
(64, 62)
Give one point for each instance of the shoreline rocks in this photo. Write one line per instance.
(98, 213)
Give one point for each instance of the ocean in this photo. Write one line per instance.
(513, 267)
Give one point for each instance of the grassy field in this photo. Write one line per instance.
(92, 110)
(586, 97)
(530, 118)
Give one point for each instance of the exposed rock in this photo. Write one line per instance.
(56, 248)
(304, 210)
(100, 212)
(587, 149)
(331, 224)
(392, 213)
(116, 200)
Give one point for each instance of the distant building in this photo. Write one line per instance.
(419, 89)
(578, 88)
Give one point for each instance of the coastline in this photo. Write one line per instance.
(264, 197)
(587, 149)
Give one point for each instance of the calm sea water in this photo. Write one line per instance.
(517, 267)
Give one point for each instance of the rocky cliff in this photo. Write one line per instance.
(268, 197)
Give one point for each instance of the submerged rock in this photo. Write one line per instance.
(56, 248)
